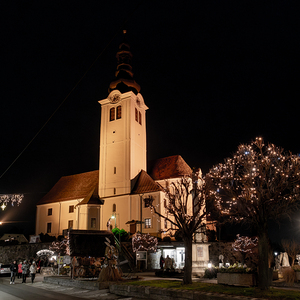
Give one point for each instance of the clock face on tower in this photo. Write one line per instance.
(114, 98)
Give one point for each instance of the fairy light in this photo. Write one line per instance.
(144, 242)
(10, 198)
(245, 244)
(255, 176)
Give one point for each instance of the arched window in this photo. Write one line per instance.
(114, 209)
(112, 114)
(119, 112)
(136, 115)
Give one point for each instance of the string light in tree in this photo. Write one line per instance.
(144, 242)
(257, 175)
(10, 198)
(245, 244)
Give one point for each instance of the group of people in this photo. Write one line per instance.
(166, 263)
(22, 270)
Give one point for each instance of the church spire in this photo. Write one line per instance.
(124, 81)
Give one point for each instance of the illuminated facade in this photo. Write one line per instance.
(116, 195)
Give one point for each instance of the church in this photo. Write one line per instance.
(116, 194)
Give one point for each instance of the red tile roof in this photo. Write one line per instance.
(145, 184)
(72, 187)
(169, 167)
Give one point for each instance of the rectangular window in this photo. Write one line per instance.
(140, 118)
(70, 224)
(148, 223)
(49, 227)
(166, 224)
(115, 191)
(112, 114)
(49, 211)
(115, 170)
(119, 112)
(136, 115)
(146, 203)
(71, 208)
(93, 223)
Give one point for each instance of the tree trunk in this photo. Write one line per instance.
(263, 262)
(187, 277)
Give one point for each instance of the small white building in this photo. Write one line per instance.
(8, 237)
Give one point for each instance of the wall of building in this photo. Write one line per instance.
(60, 217)
(10, 253)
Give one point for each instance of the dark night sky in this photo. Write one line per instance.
(214, 74)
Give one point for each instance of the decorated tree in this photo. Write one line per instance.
(61, 247)
(144, 242)
(184, 207)
(10, 198)
(260, 182)
(244, 244)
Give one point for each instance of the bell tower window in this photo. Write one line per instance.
(112, 114)
(119, 112)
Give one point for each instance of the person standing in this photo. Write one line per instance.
(13, 272)
(20, 270)
(25, 269)
(161, 262)
(168, 263)
(32, 270)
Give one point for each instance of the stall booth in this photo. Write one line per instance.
(87, 251)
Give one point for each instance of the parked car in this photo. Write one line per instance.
(4, 270)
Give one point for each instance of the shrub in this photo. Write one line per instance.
(296, 268)
(210, 273)
(167, 239)
(120, 233)
(288, 275)
(236, 269)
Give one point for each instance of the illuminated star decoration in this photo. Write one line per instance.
(12, 198)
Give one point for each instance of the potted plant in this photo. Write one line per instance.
(296, 269)
(236, 275)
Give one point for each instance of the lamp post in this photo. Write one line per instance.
(114, 217)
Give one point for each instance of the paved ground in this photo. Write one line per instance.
(39, 290)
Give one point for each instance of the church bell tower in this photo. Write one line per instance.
(122, 131)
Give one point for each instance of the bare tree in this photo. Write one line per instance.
(292, 248)
(184, 207)
(260, 182)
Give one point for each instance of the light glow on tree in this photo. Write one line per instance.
(244, 244)
(144, 242)
(260, 182)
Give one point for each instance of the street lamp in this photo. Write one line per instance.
(114, 217)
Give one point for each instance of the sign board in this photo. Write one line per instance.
(34, 239)
(141, 255)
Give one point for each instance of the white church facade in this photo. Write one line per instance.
(114, 195)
